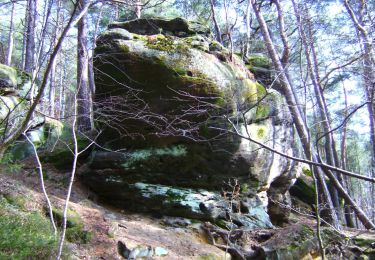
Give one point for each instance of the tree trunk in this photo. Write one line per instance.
(366, 41)
(10, 35)
(301, 128)
(30, 35)
(304, 22)
(52, 82)
(138, 9)
(349, 216)
(248, 30)
(216, 25)
(84, 98)
(62, 92)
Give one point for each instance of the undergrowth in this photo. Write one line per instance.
(24, 235)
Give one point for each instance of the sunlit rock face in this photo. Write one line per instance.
(171, 99)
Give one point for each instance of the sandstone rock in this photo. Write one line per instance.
(151, 26)
(159, 98)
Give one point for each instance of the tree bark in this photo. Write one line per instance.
(10, 35)
(30, 35)
(138, 9)
(84, 97)
(307, 39)
(368, 66)
(248, 30)
(216, 25)
(301, 128)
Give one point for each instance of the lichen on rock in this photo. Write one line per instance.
(165, 84)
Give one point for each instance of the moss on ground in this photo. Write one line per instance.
(75, 229)
(24, 235)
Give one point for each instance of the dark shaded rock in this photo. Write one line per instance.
(158, 99)
(279, 199)
(261, 67)
(151, 26)
(303, 190)
(176, 221)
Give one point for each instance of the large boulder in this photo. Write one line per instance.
(164, 103)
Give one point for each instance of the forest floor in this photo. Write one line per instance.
(108, 225)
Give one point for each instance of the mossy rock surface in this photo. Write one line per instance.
(14, 81)
(75, 230)
(303, 191)
(261, 66)
(159, 90)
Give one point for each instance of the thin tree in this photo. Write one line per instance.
(287, 91)
(216, 25)
(16, 133)
(359, 19)
(11, 34)
(84, 104)
(31, 14)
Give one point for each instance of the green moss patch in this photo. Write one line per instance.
(258, 61)
(8, 76)
(24, 235)
(139, 156)
(303, 191)
(75, 230)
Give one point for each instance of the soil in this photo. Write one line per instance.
(107, 225)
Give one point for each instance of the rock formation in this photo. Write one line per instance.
(167, 98)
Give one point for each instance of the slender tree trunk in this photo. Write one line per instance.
(248, 29)
(24, 39)
(71, 181)
(295, 112)
(302, 128)
(349, 216)
(30, 35)
(91, 58)
(10, 35)
(75, 17)
(216, 25)
(84, 98)
(368, 64)
(138, 8)
(52, 82)
(358, 20)
(305, 31)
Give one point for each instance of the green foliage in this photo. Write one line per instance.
(9, 163)
(24, 235)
